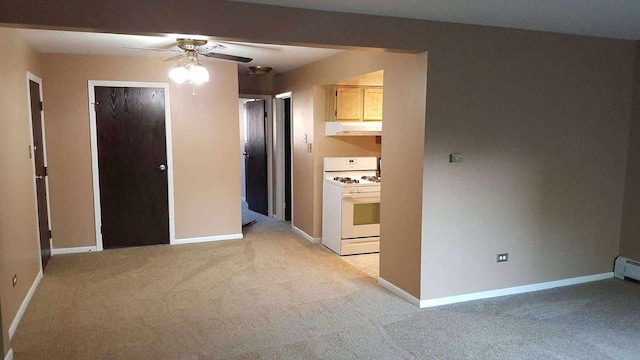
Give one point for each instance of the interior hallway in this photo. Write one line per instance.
(277, 296)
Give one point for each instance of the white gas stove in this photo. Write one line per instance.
(351, 205)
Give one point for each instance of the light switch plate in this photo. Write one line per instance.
(455, 158)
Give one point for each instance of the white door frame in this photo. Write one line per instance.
(279, 158)
(32, 153)
(268, 107)
(94, 151)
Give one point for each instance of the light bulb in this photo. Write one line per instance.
(198, 74)
(179, 74)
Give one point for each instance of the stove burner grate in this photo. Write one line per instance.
(346, 180)
(375, 179)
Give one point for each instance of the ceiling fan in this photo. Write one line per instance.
(194, 47)
(189, 67)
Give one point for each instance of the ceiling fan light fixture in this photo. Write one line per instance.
(179, 74)
(198, 74)
(260, 70)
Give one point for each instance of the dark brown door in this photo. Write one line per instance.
(256, 157)
(287, 160)
(41, 172)
(132, 161)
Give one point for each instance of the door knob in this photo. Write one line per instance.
(39, 177)
(246, 155)
(162, 167)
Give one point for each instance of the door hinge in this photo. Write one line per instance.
(336, 92)
(46, 171)
(265, 115)
(100, 229)
(50, 236)
(41, 106)
(336, 112)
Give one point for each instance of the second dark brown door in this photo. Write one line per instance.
(132, 161)
(256, 157)
(41, 172)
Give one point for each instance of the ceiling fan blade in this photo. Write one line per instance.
(228, 57)
(249, 46)
(174, 57)
(151, 49)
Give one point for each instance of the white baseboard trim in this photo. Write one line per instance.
(202, 239)
(73, 250)
(305, 235)
(401, 293)
(514, 290)
(9, 355)
(23, 306)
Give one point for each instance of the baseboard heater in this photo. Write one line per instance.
(627, 268)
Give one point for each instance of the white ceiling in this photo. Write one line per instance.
(618, 19)
(281, 58)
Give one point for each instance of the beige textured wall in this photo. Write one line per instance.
(542, 120)
(206, 159)
(630, 240)
(255, 85)
(541, 117)
(19, 247)
(403, 129)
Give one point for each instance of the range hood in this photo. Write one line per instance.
(353, 128)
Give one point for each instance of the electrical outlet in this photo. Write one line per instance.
(454, 158)
(15, 280)
(502, 257)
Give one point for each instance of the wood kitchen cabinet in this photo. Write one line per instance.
(372, 104)
(354, 103)
(348, 103)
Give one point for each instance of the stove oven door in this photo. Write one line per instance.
(360, 215)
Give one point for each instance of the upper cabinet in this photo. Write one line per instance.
(372, 104)
(348, 104)
(354, 103)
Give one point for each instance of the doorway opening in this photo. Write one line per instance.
(284, 157)
(256, 134)
(352, 179)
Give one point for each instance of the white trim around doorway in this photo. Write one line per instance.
(279, 155)
(94, 152)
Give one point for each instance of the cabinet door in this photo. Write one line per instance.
(349, 104)
(373, 104)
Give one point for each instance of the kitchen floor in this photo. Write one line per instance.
(367, 263)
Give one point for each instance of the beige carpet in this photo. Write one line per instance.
(276, 296)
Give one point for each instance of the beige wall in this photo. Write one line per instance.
(404, 82)
(206, 159)
(19, 247)
(630, 240)
(542, 119)
(255, 85)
